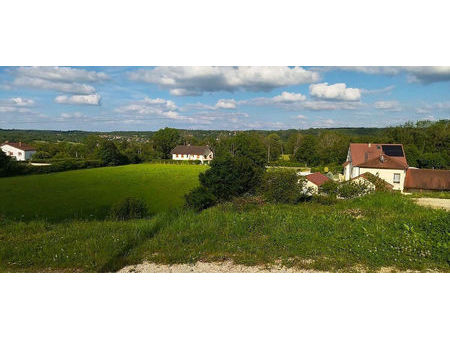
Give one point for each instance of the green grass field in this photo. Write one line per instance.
(89, 193)
(371, 232)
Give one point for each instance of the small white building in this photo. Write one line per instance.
(387, 161)
(313, 182)
(192, 153)
(19, 151)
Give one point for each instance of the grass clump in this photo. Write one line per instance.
(129, 208)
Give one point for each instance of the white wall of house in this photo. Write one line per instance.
(310, 188)
(189, 157)
(18, 154)
(396, 177)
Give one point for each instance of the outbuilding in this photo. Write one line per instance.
(192, 153)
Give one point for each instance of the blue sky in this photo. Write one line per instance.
(235, 98)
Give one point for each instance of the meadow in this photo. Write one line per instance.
(89, 193)
(363, 234)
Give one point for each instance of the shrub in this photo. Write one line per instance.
(200, 198)
(330, 188)
(129, 208)
(281, 186)
(352, 189)
(247, 203)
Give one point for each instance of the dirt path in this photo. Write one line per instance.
(434, 202)
(202, 267)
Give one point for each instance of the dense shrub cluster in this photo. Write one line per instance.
(282, 186)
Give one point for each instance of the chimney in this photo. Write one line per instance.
(381, 158)
(20, 143)
(370, 144)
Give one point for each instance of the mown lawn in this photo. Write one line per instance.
(380, 230)
(89, 193)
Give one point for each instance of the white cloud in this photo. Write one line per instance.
(158, 107)
(65, 87)
(62, 74)
(226, 104)
(61, 79)
(15, 104)
(338, 92)
(197, 80)
(437, 107)
(388, 105)
(93, 99)
(387, 89)
(329, 105)
(287, 97)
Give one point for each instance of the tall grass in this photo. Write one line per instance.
(380, 230)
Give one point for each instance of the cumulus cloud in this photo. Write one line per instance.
(226, 104)
(148, 106)
(197, 80)
(76, 115)
(286, 97)
(436, 107)
(93, 99)
(301, 117)
(65, 87)
(60, 79)
(62, 74)
(388, 105)
(15, 104)
(338, 92)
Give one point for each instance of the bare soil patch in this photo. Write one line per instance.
(437, 203)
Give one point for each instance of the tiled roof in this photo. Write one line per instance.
(191, 150)
(317, 178)
(364, 152)
(384, 162)
(19, 145)
(427, 179)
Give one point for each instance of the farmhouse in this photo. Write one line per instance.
(192, 153)
(20, 151)
(386, 161)
(314, 181)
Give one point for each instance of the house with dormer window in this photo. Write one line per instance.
(387, 161)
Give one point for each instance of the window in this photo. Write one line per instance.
(396, 178)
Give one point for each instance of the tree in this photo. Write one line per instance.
(165, 140)
(307, 151)
(110, 155)
(413, 155)
(273, 146)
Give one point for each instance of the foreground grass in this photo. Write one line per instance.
(381, 230)
(89, 193)
(431, 194)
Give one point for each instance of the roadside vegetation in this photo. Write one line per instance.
(362, 234)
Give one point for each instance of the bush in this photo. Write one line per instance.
(330, 188)
(247, 203)
(352, 189)
(200, 198)
(281, 186)
(129, 208)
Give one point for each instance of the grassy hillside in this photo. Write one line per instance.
(89, 193)
(381, 230)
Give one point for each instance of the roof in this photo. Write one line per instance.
(427, 179)
(364, 152)
(191, 150)
(19, 145)
(384, 162)
(317, 178)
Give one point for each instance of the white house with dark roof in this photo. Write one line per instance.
(192, 153)
(19, 151)
(387, 161)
